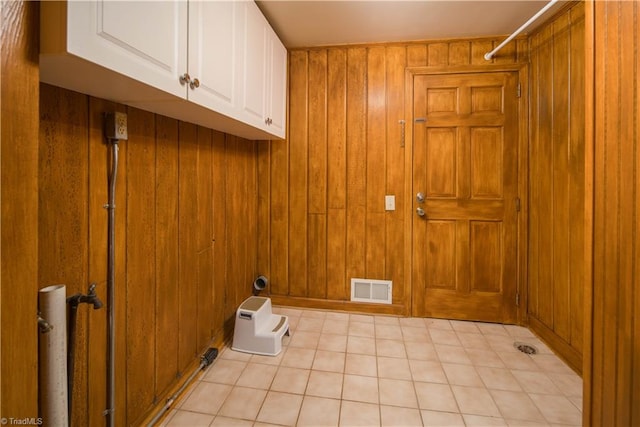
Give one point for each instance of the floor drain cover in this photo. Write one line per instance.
(525, 348)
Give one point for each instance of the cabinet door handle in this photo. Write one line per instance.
(268, 121)
(195, 83)
(185, 78)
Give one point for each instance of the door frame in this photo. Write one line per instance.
(523, 175)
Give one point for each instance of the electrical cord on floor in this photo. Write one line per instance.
(205, 360)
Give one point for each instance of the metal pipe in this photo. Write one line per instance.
(73, 302)
(489, 55)
(111, 262)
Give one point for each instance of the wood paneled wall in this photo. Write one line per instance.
(612, 368)
(321, 208)
(185, 244)
(557, 184)
(19, 215)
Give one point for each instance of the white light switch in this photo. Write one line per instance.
(390, 203)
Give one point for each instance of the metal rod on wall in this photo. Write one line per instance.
(490, 55)
(115, 131)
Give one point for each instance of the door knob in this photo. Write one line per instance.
(420, 211)
(185, 78)
(195, 83)
(420, 197)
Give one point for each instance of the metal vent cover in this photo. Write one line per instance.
(371, 290)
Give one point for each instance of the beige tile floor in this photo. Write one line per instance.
(359, 370)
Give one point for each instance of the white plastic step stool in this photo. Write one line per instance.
(257, 329)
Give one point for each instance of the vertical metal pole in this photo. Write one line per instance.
(111, 262)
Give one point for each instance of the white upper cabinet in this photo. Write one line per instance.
(277, 84)
(214, 31)
(205, 62)
(264, 73)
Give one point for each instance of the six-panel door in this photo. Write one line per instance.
(465, 165)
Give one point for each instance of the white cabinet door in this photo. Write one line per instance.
(254, 74)
(214, 28)
(146, 41)
(264, 74)
(277, 85)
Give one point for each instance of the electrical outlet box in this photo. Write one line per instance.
(390, 203)
(115, 125)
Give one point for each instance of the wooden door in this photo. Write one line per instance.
(465, 153)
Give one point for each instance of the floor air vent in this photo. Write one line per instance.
(368, 290)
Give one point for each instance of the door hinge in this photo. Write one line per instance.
(517, 204)
(519, 90)
(517, 300)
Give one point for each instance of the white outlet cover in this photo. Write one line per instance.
(390, 203)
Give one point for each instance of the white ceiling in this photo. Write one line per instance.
(308, 23)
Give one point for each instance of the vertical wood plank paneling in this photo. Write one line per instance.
(19, 275)
(395, 170)
(317, 278)
(317, 137)
(205, 305)
(337, 283)
(264, 210)
(627, 185)
(376, 155)
(279, 243)
(560, 184)
(635, 318)
(610, 240)
(545, 181)
(167, 290)
(170, 276)
(250, 230)
(577, 177)
(121, 232)
(241, 217)
(336, 139)
(298, 173)
(62, 217)
(98, 249)
(97, 241)
(317, 175)
(233, 206)
(588, 388)
(534, 190)
(140, 285)
(220, 273)
(187, 226)
(336, 174)
(597, 397)
(356, 158)
(344, 154)
(557, 188)
(611, 390)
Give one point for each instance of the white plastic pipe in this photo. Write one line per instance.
(489, 55)
(52, 302)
